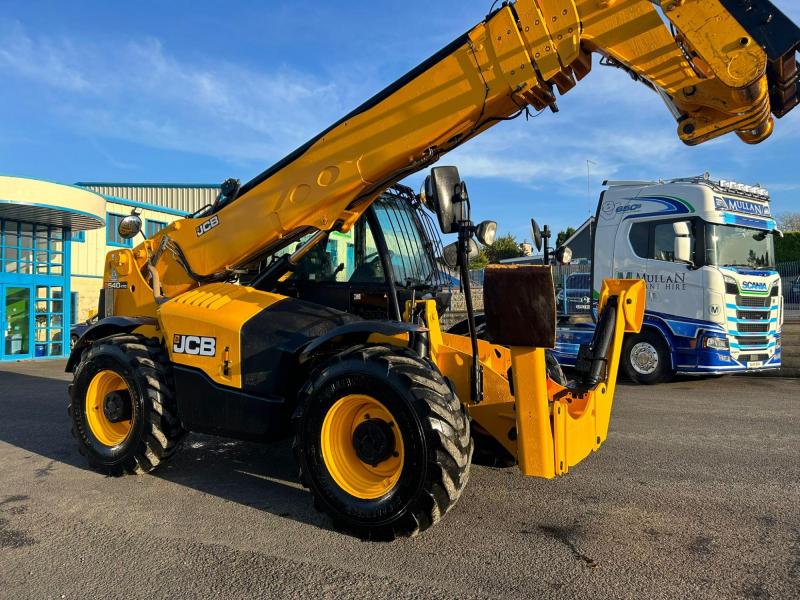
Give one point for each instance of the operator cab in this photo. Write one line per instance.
(348, 271)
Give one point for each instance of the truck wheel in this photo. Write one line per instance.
(381, 442)
(122, 406)
(646, 358)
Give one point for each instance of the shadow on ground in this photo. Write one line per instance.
(264, 476)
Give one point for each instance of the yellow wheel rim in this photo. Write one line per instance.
(107, 433)
(350, 473)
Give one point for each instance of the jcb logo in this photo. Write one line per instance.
(194, 345)
(207, 226)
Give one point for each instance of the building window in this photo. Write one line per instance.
(153, 227)
(77, 236)
(27, 249)
(49, 328)
(112, 234)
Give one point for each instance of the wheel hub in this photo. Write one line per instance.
(373, 441)
(645, 358)
(117, 406)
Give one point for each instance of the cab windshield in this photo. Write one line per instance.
(732, 246)
(354, 257)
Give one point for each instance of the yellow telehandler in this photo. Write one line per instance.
(238, 321)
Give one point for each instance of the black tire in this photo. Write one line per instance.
(646, 359)
(73, 339)
(435, 436)
(155, 431)
(491, 453)
(554, 370)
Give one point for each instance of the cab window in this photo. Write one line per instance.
(345, 257)
(658, 240)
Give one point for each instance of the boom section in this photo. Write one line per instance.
(712, 74)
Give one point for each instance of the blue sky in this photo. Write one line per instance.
(195, 92)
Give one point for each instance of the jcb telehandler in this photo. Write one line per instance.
(382, 408)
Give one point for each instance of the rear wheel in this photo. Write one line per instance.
(122, 406)
(646, 359)
(381, 442)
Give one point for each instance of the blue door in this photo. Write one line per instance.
(16, 315)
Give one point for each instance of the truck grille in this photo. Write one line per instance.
(753, 315)
(749, 340)
(753, 302)
(753, 327)
(753, 357)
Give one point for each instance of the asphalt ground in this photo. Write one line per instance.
(694, 495)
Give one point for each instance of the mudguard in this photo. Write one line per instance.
(359, 332)
(101, 329)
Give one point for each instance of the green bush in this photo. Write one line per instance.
(787, 249)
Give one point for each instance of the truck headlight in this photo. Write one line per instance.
(775, 286)
(731, 286)
(715, 343)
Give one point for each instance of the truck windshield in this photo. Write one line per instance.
(731, 246)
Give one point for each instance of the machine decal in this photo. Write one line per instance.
(194, 345)
(208, 226)
(675, 282)
(742, 206)
(732, 219)
(672, 206)
(117, 285)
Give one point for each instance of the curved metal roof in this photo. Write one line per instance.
(37, 201)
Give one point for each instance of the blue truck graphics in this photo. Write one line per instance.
(706, 252)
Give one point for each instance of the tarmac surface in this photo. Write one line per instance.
(695, 494)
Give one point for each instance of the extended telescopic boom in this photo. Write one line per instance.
(725, 67)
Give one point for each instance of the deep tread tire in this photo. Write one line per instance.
(663, 371)
(156, 431)
(436, 437)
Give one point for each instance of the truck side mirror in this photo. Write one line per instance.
(445, 194)
(683, 242)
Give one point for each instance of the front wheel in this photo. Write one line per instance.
(646, 359)
(381, 442)
(122, 406)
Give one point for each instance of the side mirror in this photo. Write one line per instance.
(564, 255)
(450, 253)
(445, 194)
(486, 232)
(536, 235)
(130, 226)
(683, 242)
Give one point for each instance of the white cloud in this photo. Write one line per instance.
(44, 62)
(136, 91)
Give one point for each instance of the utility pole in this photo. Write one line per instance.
(589, 163)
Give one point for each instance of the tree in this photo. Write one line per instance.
(789, 222)
(504, 247)
(787, 248)
(563, 236)
(476, 264)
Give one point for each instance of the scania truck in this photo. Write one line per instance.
(706, 252)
